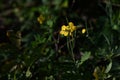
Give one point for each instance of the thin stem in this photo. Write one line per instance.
(71, 48)
(86, 28)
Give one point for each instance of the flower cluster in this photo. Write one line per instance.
(41, 19)
(68, 30)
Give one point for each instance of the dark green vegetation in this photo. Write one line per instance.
(34, 50)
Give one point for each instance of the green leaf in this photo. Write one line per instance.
(65, 4)
(28, 73)
(115, 27)
(50, 23)
(108, 68)
(49, 78)
(84, 57)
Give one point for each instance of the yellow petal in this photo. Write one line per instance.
(73, 28)
(62, 32)
(65, 33)
(63, 27)
(67, 28)
(70, 24)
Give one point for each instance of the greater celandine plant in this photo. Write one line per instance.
(69, 32)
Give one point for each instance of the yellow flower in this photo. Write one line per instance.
(67, 30)
(72, 27)
(65, 33)
(64, 28)
(40, 19)
(83, 30)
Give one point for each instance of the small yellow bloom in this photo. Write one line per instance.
(83, 31)
(70, 24)
(40, 19)
(67, 30)
(64, 28)
(65, 33)
(72, 27)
